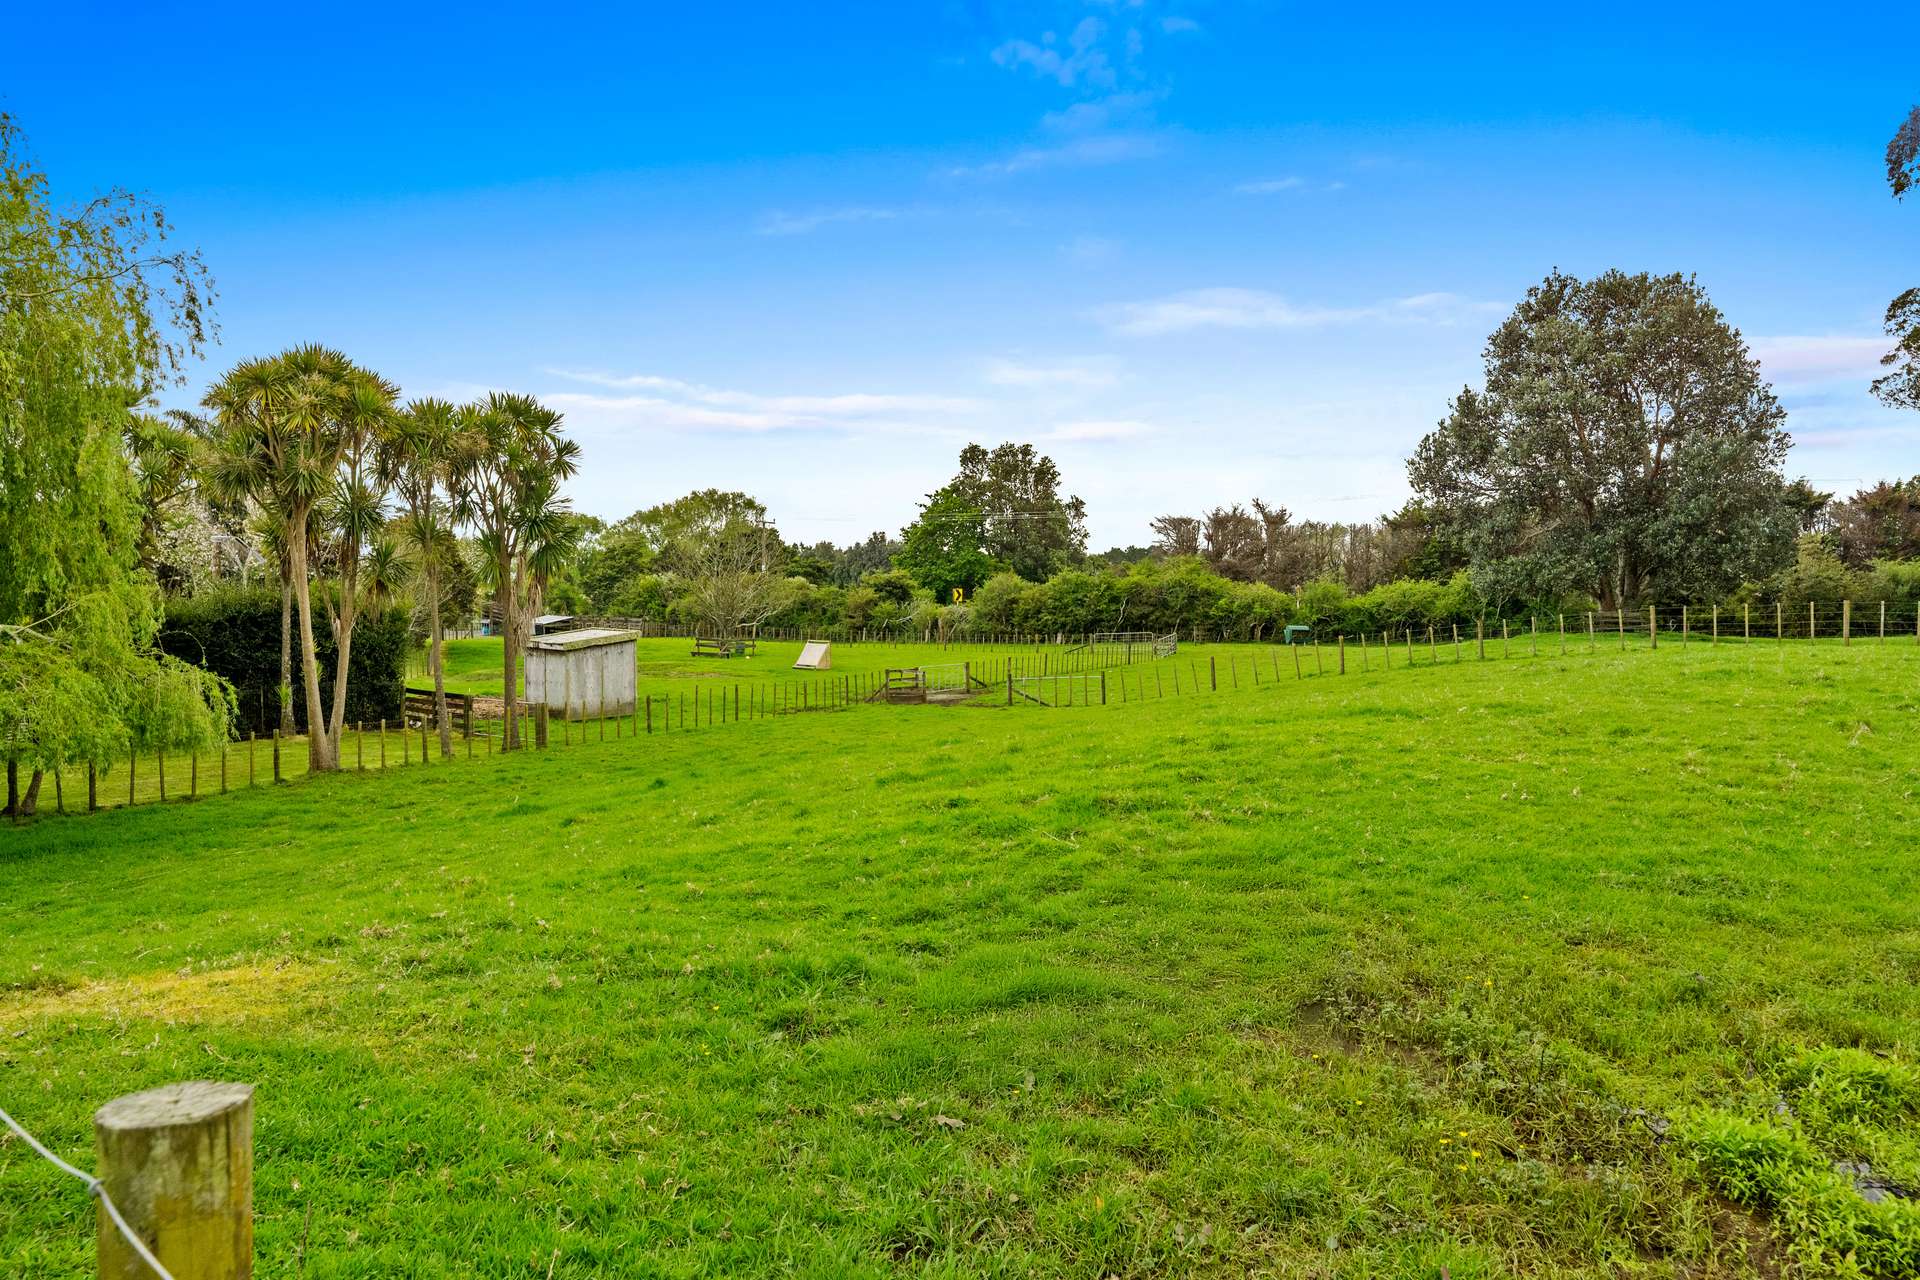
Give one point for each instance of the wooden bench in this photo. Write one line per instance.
(714, 647)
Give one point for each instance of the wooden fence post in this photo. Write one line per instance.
(1846, 639)
(383, 746)
(1213, 672)
(1653, 627)
(177, 1162)
(1811, 625)
(132, 748)
(1480, 637)
(540, 726)
(1341, 640)
(93, 787)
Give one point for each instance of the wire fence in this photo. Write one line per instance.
(1103, 669)
(97, 1190)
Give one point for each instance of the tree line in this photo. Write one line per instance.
(1622, 447)
(303, 460)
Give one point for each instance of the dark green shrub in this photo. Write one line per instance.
(235, 633)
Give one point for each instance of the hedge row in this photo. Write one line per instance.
(235, 633)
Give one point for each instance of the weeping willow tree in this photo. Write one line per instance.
(96, 308)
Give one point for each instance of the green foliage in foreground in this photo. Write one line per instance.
(1590, 966)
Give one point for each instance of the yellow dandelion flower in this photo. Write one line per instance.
(1446, 1142)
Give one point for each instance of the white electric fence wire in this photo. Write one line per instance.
(96, 1189)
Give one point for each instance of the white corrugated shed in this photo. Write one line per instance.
(583, 675)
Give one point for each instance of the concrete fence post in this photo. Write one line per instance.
(177, 1162)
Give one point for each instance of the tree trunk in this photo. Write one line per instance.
(437, 659)
(509, 633)
(343, 639)
(13, 789)
(286, 651)
(30, 802)
(320, 758)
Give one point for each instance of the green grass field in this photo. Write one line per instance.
(666, 668)
(1581, 966)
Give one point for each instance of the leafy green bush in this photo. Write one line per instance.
(235, 632)
(1838, 1130)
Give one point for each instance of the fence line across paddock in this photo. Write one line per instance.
(1100, 671)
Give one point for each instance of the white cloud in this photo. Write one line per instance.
(1258, 309)
(1292, 182)
(1101, 115)
(1819, 359)
(1177, 25)
(1269, 186)
(1088, 250)
(779, 222)
(653, 402)
(1081, 62)
(1082, 152)
(1076, 375)
(1106, 429)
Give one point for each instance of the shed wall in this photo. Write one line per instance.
(584, 683)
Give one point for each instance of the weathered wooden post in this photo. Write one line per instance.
(1340, 642)
(1846, 639)
(177, 1162)
(276, 755)
(1480, 637)
(1653, 627)
(540, 726)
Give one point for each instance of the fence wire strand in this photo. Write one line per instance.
(97, 1190)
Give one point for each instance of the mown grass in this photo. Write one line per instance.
(1581, 966)
(666, 667)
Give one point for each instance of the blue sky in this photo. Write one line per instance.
(1199, 252)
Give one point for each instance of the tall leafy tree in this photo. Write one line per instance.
(1026, 523)
(1624, 445)
(1900, 385)
(416, 462)
(365, 417)
(946, 548)
(96, 309)
(508, 460)
(285, 427)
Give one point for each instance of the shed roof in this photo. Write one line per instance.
(560, 641)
